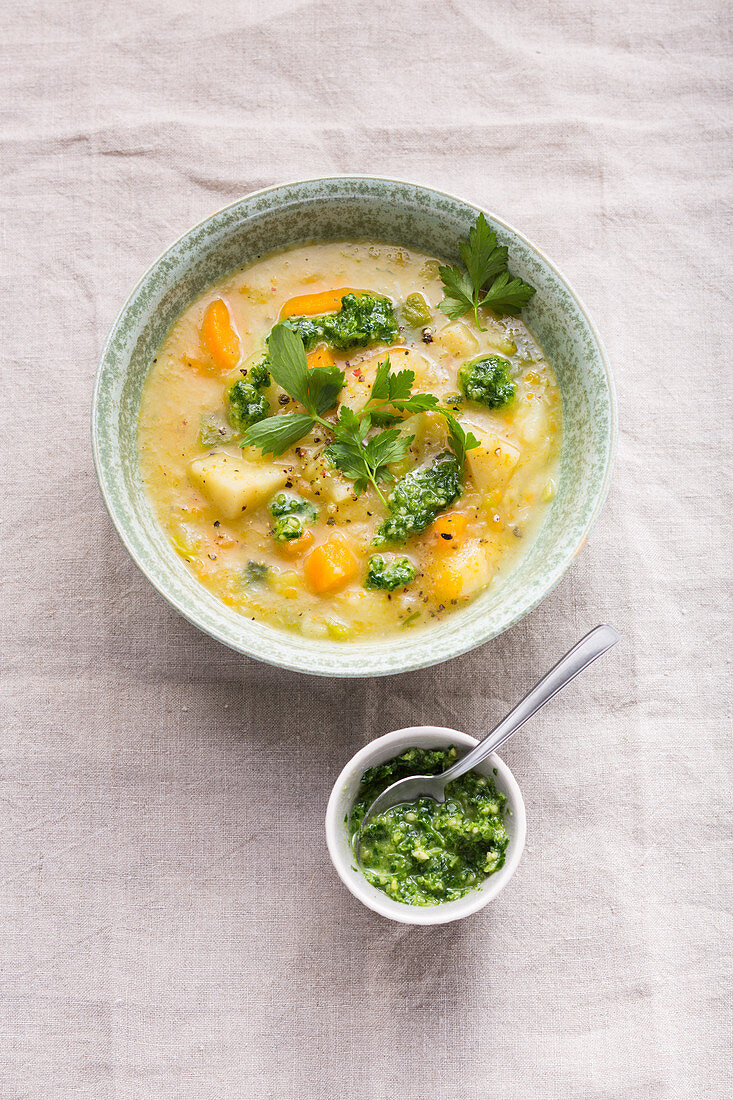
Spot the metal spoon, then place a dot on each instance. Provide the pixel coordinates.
(582, 654)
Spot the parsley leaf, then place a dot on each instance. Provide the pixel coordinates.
(460, 440)
(387, 447)
(400, 384)
(288, 364)
(347, 453)
(508, 295)
(458, 292)
(396, 389)
(391, 386)
(315, 389)
(365, 462)
(380, 385)
(351, 423)
(418, 402)
(324, 386)
(481, 254)
(275, 434)
(486, 267)
(388, 388)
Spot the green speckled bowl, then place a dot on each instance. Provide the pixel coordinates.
(339, 208)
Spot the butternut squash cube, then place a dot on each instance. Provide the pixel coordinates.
(448, 531)
(330, 566)
(309, 305)
(461, 575)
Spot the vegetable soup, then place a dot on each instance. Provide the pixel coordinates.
(349, 439)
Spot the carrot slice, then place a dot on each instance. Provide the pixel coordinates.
(448, 530)
(308, 305)
(330, 566)
(321, 357)
(218, 336)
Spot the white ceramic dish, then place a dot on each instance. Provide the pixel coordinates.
(342, 798)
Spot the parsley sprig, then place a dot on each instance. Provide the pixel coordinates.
(365, 461)
(316, 390)
(486, 280)
(362, 458)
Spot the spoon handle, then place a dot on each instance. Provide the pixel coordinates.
(567, 668)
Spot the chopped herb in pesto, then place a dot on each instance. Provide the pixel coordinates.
(419, 497)
(488, 381)
(389, 575)
(247, 402)
(290, 504)
(288, 528)
(424, 853)
(292, 515)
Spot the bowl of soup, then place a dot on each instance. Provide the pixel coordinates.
(353, 426)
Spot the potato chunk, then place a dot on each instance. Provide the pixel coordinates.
(457, 339)
(493, 462)
(233, 485)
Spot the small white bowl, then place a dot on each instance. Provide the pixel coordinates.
(342, 799)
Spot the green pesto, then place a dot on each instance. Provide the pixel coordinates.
(488, 381)
(362, 320)
(290, 504)
(388, 576)
(287, 528)
(247, 402)
(419, 497)
(292, 515)
(259, 374)
(425, 852)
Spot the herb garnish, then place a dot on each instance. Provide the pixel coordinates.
(363, 460)
(486, 281)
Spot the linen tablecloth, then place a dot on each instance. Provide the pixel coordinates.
(170, 924)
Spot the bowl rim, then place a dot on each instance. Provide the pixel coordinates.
(420, 660)
(444, 912)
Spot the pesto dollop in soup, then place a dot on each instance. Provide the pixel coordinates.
(425, 852)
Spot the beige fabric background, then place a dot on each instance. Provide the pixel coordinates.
(170, 924)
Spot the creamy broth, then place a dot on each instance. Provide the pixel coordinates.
(508, 480)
